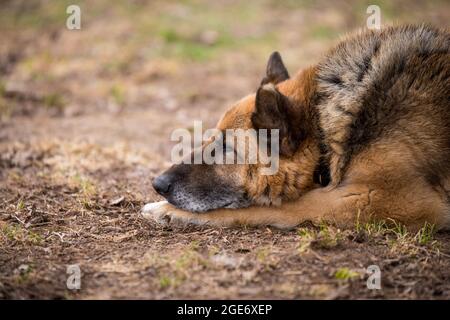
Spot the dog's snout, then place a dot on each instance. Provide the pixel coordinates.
(162, 184)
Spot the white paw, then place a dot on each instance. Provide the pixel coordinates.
(167, 215)
(152, 207)
(154, 210)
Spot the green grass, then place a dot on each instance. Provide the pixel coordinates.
(188, 258)
(166, 281)
(262, 254)
(326, 237)
(400, 230)
(5, 107)
(54, 101)
(293, 4)
(377, 227)
(382, 227)
(426, 234)
(87, 191)
(15, 232)
(85, 185)
(20, 205)
(266, 258)
(118, 94)
(323, 32)
(398, 237)
(345, 274)
(182, 36)
(173, 270)
(305, 233)
(34, 14)
(189, 45)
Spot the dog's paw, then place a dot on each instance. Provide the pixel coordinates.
(167, 215)
(152, 208)
(157, 211)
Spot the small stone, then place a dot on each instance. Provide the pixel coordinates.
(117, 201)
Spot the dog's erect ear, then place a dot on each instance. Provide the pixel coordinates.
(274, 111)
(275, 71)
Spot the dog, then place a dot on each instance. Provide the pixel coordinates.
(364, 135)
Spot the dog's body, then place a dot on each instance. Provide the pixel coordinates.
(375, 111)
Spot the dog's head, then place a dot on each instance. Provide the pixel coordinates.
(280, 103)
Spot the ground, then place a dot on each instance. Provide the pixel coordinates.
(86, 117)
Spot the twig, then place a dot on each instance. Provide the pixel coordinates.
(17, 218)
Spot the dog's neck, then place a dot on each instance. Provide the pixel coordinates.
(303, 92)
(307, 168)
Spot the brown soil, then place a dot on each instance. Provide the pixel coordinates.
(86, 118)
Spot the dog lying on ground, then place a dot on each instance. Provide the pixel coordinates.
(372, 117)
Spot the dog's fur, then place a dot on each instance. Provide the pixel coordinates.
(374, 114)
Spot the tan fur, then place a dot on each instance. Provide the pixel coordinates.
(384, 177)
(295, 174)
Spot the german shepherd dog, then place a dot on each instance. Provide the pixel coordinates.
(363, 135)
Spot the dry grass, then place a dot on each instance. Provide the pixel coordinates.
(85, 119)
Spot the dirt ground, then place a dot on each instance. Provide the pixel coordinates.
(85, 123)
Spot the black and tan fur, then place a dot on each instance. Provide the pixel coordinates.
(375, 111)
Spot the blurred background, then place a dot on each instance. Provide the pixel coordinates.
(139, 69)
(85, 123)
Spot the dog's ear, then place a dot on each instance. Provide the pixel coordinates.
(274, 111)
(276, 71)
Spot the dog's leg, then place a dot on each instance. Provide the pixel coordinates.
(343, 206)
(315, 206)
(285, 216)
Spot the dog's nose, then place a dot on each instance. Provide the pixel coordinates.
(162, 184)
